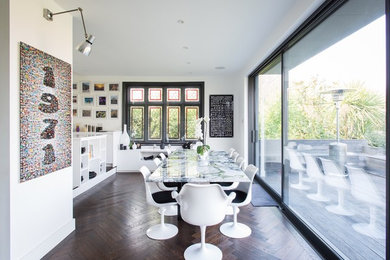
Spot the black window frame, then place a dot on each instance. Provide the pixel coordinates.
(126, 104)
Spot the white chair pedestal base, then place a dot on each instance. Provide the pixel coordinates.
(208, 252)
(162, 231)
(169, 211)
(300, 185)
(339, 210)
(230, 211)
(309, 180)
(369, 230)
(317, 197)
(237, 230)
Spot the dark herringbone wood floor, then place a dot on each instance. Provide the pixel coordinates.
(112, 218)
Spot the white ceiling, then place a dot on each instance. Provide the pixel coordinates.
(144, 38)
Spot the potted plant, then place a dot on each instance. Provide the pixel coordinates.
(202, 149)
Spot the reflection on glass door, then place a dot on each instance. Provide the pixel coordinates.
(269, 117)
(335, 146)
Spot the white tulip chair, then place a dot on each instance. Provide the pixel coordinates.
(243, 198)
(162, 200)
(202, 205)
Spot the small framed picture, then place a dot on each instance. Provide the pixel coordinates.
(114, 113)
(88, 101)
(98, 86)
(87, 113)
(75, 112)
(101, 114)
(75, 99)
(113, 87)
(114, 100)
(101, 100)
(74, 86)
(85, 87)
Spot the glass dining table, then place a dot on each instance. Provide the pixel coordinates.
(183, 166)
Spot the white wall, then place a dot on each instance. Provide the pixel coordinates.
(41, 210)
(213, 85)
(4, 130)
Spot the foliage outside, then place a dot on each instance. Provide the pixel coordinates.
(312, 114)
(191, 117)
(173, 122)
(155, 122)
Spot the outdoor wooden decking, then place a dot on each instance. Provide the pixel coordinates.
(112, 218)
(336, 229)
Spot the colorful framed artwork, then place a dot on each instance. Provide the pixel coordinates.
(45, 96)
(173, 95)
(85, 87)
(136, 95)
(74, 99)
(114, 113)
(75, 112)
(74, 87)
(88, 100)
(114, 100)
(100, 114)
(101, 100)
(113, 87)
(192, 95)
(98, 87)
(86, 113)
(155, 94)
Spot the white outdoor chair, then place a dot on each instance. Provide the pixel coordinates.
(363, 189)
(202, 205)
(296, 165)
(160, 199)
(336, 178)
(243, 198)
(169, 151)
(314, 172)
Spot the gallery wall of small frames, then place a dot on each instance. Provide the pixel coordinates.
(96, 100)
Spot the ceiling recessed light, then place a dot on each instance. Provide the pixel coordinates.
(180, 21)
(220, 68)
(185, 47)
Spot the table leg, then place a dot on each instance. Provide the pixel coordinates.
(179, 186)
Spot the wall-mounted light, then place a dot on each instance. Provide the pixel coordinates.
(85, 46)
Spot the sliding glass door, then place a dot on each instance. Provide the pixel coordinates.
(320, 109)
(269, 84)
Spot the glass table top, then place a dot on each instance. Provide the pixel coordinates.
(184, 166)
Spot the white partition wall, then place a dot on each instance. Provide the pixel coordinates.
(41, 210)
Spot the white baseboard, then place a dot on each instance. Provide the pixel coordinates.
(90, 183)
(49, 243)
